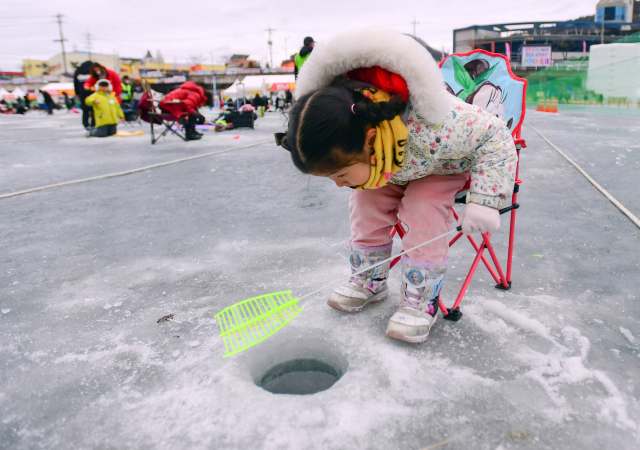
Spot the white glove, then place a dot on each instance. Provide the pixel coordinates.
(476, 218)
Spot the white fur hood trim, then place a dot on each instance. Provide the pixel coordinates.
(388, 49)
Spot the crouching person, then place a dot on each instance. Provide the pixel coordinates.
(192, 97)
(106, 110)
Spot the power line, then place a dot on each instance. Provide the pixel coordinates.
(61, 40)
(29, 24)
(22, 17)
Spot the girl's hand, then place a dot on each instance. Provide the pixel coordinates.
(97, 102)
(479, 219)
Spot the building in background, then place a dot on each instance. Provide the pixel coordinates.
(35, 68)
(563, 40)
(243, 62)
(10, 76)
(615, 11)
(75, 58)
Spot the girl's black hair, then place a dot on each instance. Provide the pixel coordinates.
(325, 135)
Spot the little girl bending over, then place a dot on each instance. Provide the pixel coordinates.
(373, 114)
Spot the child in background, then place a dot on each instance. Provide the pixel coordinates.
(375, 116)
(137, 90)
(106, 110)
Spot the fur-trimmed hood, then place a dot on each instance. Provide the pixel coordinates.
(101, 80)
(388, 49)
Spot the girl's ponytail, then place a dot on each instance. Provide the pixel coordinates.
(374, 113)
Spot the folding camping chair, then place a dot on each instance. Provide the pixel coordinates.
(150, 112)
(485, 79)
(131, 115)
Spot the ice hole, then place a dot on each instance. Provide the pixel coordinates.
(300, 377)
(296, 361)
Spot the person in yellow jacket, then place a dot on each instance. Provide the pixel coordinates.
(106, 110)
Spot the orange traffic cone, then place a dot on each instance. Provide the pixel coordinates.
(540, 105)
(552, 106)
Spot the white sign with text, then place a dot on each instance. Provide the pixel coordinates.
(536, 56)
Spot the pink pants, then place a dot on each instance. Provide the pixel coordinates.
(423, 205)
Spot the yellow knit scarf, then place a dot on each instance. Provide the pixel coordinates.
(388, 148)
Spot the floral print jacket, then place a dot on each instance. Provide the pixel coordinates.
(469, 139)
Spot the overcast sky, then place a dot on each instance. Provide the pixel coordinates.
(185, 28)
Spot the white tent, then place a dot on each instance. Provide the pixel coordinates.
(280, 83)
(252, 85)
(4, 94)
(18, 92)
(59, 88)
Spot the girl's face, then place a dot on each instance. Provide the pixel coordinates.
(354, 175)
(357, 173)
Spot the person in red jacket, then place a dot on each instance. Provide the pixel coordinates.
(99, 72)
(188, 97)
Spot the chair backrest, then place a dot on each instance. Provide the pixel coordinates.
(485, 79)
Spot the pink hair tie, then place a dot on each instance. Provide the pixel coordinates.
(352, 108)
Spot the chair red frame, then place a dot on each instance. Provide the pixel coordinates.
(503, 281)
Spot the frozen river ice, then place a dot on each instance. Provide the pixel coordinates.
(87, 270)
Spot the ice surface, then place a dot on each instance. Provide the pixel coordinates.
(86, 271)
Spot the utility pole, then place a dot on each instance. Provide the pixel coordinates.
(286, 54)
(270, 42)
(415, 22)
(61, 40)
(88, 38)
(602, 39)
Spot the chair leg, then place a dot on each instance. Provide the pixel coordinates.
(512, 232)
(454, 314)
(455, 239)
(164, 132)
(477, 249)
(397, 229)
(467, 280)
(484, 260)
(494, 257)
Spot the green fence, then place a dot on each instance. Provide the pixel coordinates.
(570, 81)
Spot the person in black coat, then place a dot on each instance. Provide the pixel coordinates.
(20, 106)
(87, 112)
(48, 102)
(68, 101)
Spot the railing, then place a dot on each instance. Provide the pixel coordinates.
(228, 71)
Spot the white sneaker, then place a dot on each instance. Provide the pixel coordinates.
(368, 287)
(417, 314)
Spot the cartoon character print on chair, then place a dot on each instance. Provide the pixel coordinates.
(484, 79)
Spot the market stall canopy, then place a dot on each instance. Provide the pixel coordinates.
(252, 85)
(280, 83)
(18, 92)
(59, 88)
(5, 95)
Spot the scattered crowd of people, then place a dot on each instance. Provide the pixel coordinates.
(105, 99)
